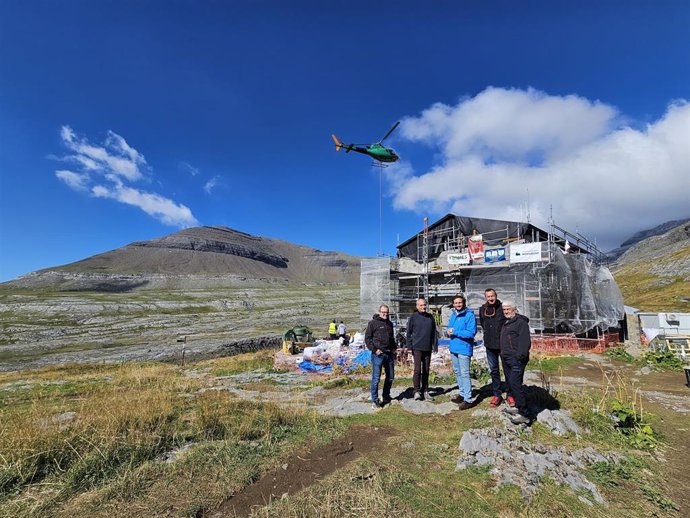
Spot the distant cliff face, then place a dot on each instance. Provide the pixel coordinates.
(194, 255)
(654, 274)
(644, 234)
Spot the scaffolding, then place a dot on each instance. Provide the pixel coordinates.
(561, 289)
(374, 286)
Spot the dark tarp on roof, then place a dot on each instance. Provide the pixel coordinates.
(465, 226)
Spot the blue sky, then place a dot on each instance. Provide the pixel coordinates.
(123, 121)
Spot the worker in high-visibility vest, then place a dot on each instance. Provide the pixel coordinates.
(333, 330)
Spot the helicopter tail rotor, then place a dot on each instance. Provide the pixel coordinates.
(338, 144)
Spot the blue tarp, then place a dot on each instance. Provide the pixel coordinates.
(363, 359)
(308, 366)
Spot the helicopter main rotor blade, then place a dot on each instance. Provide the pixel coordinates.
(390, 131)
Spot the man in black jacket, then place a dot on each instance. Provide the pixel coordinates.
(491, 318)
(380, 340)
(515, 346)
(422, 339)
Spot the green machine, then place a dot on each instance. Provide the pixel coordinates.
(296, 339)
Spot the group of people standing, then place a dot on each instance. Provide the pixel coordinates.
(506, 338)
(336, 331)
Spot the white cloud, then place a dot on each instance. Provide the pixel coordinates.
(78, 182)
(116, 162)
(212, 184)
(161, 208)
(601, 176)
(114, 156)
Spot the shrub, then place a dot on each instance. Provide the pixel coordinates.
(663, 360)
(620, 354)
(629, 422)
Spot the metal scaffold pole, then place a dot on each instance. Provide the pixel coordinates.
(425, 256)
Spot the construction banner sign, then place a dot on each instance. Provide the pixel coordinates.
(475, 245)
(458, 258)
(494, 255)
(525, 253)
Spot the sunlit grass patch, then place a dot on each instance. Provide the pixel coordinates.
(229, 365)
(551, 364)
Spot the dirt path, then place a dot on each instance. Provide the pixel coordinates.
(302, 470)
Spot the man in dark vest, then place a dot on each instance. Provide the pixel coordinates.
(491, 318)
(422, 339)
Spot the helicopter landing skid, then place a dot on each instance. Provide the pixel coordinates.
(382, 165)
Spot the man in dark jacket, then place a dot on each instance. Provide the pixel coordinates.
(491, 318)
(422, 339)
(380, 340)
(515, 346)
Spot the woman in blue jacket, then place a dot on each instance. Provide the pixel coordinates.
(462, 327)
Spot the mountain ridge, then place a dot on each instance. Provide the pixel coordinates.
(654, 273)
(203, 251)
(644, 234)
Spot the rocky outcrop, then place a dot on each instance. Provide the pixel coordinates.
(663, 255)
(513, 460)
(645, 234)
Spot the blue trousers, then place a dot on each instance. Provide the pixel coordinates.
(461, 367)
(492, 359)
(385, 362)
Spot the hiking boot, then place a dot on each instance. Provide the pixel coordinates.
(519, 419)
(427, 397)
(511, 401)
(464, 405)
(495, 401)
(457, 399)
(375, 405)
(510, 410)
(417, 396)
(386, 400)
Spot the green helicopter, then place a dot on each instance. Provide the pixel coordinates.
(377, 151)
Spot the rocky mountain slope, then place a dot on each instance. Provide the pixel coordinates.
(207, 256)
(644, 234)
(654, 274)
(215, 286)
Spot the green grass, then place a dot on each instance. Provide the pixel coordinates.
(229, 366)
(640, 288)
(122, 426)
(107, 462)
(551, 364)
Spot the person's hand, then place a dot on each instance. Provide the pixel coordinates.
(378, 352)
(449, 331)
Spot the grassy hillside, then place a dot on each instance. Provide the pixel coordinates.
(143, 440)
(645, 289)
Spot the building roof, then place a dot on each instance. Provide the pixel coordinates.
(496, 232)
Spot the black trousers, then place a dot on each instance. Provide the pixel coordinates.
(515, 375)
(420, 378)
